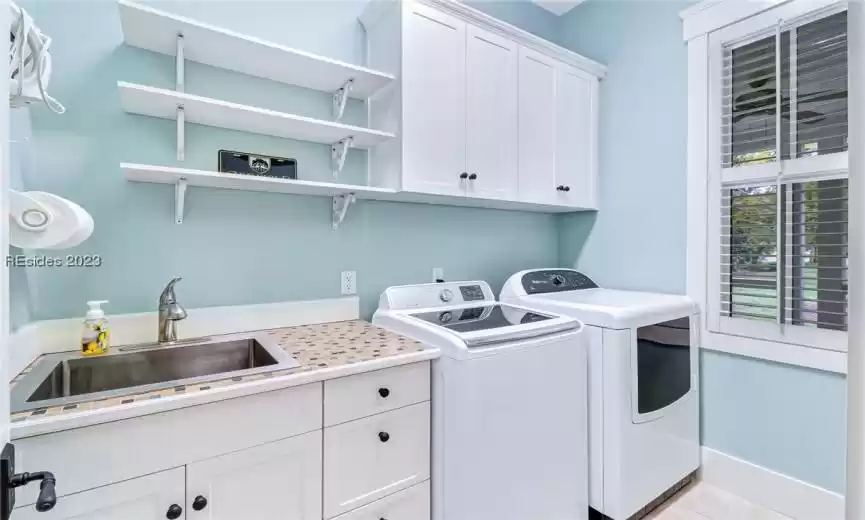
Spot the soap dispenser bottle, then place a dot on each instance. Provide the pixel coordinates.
(94, 338)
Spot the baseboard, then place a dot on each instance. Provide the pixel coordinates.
(786, 495)
(43, 337)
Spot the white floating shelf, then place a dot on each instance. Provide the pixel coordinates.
(156, 30)
(162, 103)
(232, 181)
(343, 194)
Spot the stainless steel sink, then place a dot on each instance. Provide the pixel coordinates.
(68, 378)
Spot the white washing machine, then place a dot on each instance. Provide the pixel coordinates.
(643, 384)
(509, 402)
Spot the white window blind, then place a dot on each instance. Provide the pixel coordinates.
(783, 238)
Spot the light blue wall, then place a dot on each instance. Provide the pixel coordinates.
(522, 13)
(785, 418)
(235, 247)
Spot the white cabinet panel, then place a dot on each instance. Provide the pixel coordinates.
(371, 458)
(434, 99)
(143, 498)
(576, 127)
(537, 127)
(491, 114)
(362, 395)
(276, 481)
(411, 504)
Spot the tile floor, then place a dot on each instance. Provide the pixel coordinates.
(703, 501)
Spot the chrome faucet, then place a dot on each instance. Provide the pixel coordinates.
(170, 312)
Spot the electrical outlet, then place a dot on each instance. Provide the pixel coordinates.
(349, 282)
(438, 274)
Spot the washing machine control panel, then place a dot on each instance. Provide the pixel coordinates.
(447, 294)
(556, 280)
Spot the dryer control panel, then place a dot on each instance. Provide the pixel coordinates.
(555, 280)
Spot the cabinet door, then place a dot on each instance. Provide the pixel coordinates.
(576, 137)
(276, 481)
(491, 114)
(434, 102)
(370, 458)
(537, 127)
(144, 498)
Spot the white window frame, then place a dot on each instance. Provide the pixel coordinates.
(707, 27)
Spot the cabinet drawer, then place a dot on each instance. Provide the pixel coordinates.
(411, 504)
(362, 395)
(370, 458)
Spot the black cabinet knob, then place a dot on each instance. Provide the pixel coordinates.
(383, 436)
(473, 176)
(464, 175)
(199, 503)
(384, 392)
(174, 512)
(567, 188)
(560, 188)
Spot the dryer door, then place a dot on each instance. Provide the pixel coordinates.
(660, 367)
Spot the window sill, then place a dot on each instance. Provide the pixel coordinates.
(797, 355)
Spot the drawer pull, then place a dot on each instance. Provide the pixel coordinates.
(384, 392)
(383, 436)
(174, 512)
(199, 503)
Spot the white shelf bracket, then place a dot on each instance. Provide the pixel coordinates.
(180, 199)
(181, 133)
(338, 151)
(340, 207)
(180, 70)
(340, 97)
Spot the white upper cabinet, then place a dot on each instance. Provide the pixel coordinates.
(491, 115)
(434, 101)
(483, 111)
(576, 137)
(537, 134)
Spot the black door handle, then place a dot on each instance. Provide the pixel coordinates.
(199, 503)
(174, 512)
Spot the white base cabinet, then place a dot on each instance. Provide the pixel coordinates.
(277, 480)
(372, 458)
(143, 498)
(481, 109)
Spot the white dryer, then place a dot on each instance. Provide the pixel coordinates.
(643, 384)
(509, 403)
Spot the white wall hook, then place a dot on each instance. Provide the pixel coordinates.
(340, 97)
(340, 207)
(28, 213)
(338, 152)
(180, 199)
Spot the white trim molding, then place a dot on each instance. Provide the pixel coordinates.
(786, 353)
(784, 494)
(710, 15)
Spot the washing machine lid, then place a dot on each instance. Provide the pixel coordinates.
(493, 323)
(571, 293)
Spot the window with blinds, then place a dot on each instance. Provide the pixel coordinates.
(797, 275)
(784, 241)
(811, 94)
